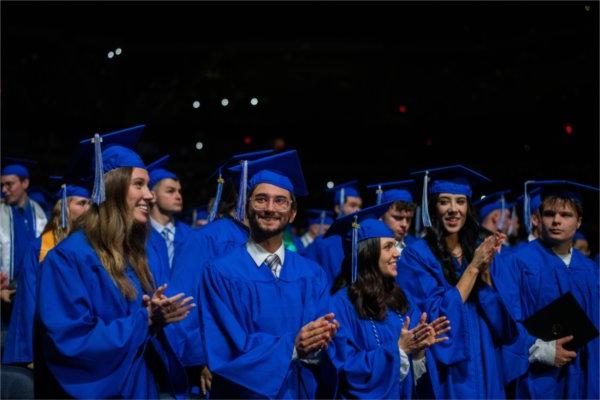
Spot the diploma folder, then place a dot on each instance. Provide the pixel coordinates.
(562, 317)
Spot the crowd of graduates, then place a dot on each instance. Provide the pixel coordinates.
(427, 293)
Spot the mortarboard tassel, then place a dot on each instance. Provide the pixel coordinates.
(355, 227)
(215, 206)
(241, 205)
(513, 222)
(379, 195)
(418, 221)
(98, 195)
(342, 201)
(63, 207)
(425, 202)
(501, 222)
(322, 222)
(526, 210)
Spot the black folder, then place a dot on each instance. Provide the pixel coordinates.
(562, 317)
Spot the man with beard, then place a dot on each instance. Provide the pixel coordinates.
(264, 309)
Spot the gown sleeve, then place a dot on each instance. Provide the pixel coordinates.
(86, 354)
(233, 351)
(425, 283)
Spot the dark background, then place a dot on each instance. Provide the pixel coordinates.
(487, 84)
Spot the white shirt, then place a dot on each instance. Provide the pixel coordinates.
(159, 227)
(306, 239)
(400, 246)
(566, 257)
(259, 255)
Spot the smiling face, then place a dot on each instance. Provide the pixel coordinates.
(270, 210)
(139, 195)
(452, 211)
(388, 257)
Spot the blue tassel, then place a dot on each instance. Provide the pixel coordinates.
(513, 222)
(215, 206)
(425, 202)
(63, 207)
(526, 210)
(342, 201)
(355, 227)
(500, 224)
(241, 204)
(98, 195)
(322, 222)
(379, 194)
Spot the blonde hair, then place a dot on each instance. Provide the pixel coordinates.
(116, 237)
(54, 223)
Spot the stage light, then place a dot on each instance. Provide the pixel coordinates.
(110, 54)
(248, 139)
(330, 184)
(118, 51)
(196, 104)
(402, 109)
(199, 145)
(224, 102)
(568, 128)
(254, 101)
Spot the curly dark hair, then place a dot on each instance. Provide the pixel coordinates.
(372, 294)
(470, 236)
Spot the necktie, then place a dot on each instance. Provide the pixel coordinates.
(168, 235)
(272, 262)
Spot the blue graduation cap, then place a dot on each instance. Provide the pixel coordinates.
(454, 179)
(534, 202)
(561, 188)
(321, 217)
(491, 202)
(342, 191)
(157, 171)
(394, 191)
(361, 225)
(282, 170)
(17, 166)
(69, 186)
(235, 159)
(110, 151)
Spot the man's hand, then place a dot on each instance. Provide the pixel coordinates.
(563, 356)
(205, 379)
(316, 335)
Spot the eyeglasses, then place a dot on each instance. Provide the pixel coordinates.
(280, 203)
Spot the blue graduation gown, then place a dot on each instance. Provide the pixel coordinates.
(183, 276)
(369, 362)
(469, 364)
(250, 320)
(93, 342)
(532, 278)
(219, 237)
(18, 347)
(328, 252)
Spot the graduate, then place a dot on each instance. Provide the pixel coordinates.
(227, 227)
(494, 212)
(448, 274)
(99, 317)
(329, 252)
(264, 310)
(382, 336)
(71, 202)
(22, 219)
(539, 273)
(400, 215)
(319, 222)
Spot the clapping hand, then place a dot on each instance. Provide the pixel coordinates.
(163, 310)
(316, 335)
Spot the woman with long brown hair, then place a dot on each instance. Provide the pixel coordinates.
(99, 314)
